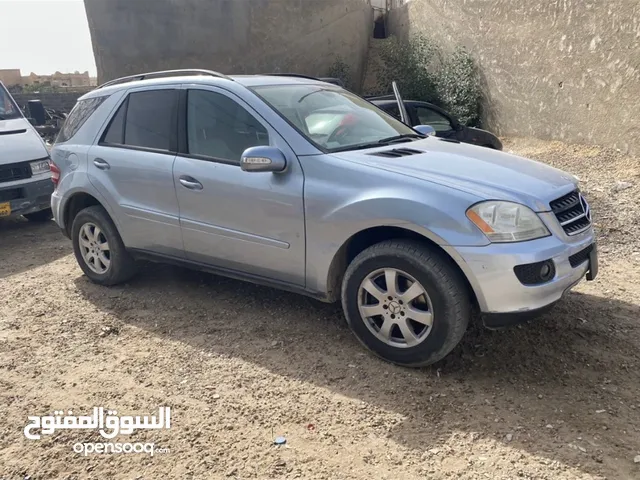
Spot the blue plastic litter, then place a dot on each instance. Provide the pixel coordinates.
(280, 441)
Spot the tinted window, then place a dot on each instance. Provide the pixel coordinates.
(150, 119)
(439, 122)
(115, 130)
(80, 113)
(392, 110)
(219, 127)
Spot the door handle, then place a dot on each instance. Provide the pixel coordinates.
(101, 164)
(190, 183)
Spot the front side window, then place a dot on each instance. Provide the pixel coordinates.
(439, 122)
(332, 118)
(219, 127)
(8, 108)
(78, 116)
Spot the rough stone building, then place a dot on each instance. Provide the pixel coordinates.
(230, 36)
(555, 69)
(11, 77)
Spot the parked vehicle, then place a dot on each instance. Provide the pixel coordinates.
(304, 186)
(445, 124)
(25, 179)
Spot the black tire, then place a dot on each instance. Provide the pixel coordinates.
(122, 266)
(39, 216)
(444, 284)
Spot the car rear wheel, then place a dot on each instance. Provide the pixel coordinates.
(99, 249)
(405, 302)
(40, 216)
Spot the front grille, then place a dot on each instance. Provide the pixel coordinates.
(11, 194)
(14, 171)
(573, 213)
(580, 257)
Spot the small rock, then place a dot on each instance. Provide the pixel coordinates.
(434, 451)
(509, 437)
(622, 186)
(351, 365)
(636, 459)
(540, 396)
(549, 425)
(216, 396)
(600, 411)
(231, 472)
(582, 449)
(274, 343)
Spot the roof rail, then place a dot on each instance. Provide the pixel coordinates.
(163, 73)
(292, 75)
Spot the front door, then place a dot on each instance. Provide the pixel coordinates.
(132, 168)
(248, 222)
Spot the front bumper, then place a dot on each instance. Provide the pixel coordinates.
(490, 270)
(25, 198)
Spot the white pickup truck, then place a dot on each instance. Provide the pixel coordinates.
(25, 176)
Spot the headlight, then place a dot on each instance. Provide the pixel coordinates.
(39, 166)
(507, 221)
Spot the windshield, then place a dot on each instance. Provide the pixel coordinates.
(333, 118)
(8, 109)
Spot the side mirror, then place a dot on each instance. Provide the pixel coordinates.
(427, 130)
(458, 127)
(263, 159)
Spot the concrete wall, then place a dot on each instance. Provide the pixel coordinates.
(62, 101)
(230, 36)
(557, 69)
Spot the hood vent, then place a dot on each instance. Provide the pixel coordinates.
(396, 152)
(13, 132)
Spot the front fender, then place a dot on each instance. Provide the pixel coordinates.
(330, 227)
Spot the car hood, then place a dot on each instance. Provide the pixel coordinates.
(19, 142)
(486, 173)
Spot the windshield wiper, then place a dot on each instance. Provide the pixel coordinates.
(384, 141)
(395, 138)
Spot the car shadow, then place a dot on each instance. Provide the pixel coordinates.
(25, 245)
(562, 387)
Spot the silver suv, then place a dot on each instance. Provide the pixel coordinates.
(301, 185)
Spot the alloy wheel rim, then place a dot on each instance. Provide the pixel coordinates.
(94, 248)
(395, 307)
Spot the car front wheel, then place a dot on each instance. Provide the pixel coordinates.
(405, 302)
(99, 249)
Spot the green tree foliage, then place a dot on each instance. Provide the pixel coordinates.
(425, 72)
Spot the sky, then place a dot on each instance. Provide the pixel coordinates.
(43, 36)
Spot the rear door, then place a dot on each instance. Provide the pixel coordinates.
(132, 167)
(249, 222)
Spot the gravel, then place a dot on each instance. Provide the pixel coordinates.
(240, 365)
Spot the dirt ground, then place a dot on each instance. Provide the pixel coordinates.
(558, 398)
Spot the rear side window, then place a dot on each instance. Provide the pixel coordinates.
(145, 120)
(79, 114)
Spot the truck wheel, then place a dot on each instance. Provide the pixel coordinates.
(39, 216)
(99, 249)
(405, 302)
